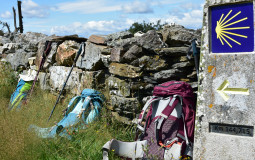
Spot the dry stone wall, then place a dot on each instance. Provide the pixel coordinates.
(125, 66)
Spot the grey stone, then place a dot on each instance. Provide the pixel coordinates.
(119, 35)
(183, 64)
(125, 70)
(173, 51)
(29, 37)
(92, 58)
(19, 58)
(151, 40)
(177, 35)
(106, 59)
(106, 51)
(123, 43)
(219, 72)
(149, 79)
(121, 104)
(44, 80)
(58, 75)
(74, 37)
(30, 47)
(118, 87)
(51, 58)
(10, 48)
(117, 54)
(92, 79)
(4, 40)
(152, 63)
(167, 75)
(133, 53)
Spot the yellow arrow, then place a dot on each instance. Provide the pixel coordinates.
(223, 90)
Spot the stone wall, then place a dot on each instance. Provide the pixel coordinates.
(124, 66)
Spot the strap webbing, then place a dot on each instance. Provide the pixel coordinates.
(185, 131)
(148, 103)
(164, 115)
(124, 149)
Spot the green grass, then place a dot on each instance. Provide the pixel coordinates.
(16, 142)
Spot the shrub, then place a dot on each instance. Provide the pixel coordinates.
(144, 27)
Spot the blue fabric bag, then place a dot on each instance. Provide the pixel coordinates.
(81, 110)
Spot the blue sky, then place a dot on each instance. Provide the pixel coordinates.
(86, 17)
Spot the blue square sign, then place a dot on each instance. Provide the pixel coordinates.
(232, 28)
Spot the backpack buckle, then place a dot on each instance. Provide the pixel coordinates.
(170, 143)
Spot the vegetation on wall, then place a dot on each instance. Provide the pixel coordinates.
(146, 26)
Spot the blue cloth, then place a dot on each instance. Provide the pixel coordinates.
(86, 108)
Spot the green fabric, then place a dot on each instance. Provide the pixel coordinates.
(22, 93)
(26, 87)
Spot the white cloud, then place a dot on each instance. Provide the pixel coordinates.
(88, 6)
(6, 15)
(91, 27)
(165, 2)
(192, 19)
(137, 7)
(31, 9)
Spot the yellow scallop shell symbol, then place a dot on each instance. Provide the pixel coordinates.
(223, 32)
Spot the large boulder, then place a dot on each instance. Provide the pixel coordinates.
(66, 53)
(125, 70)
(92, 58)
(58, 76)
(177, 35)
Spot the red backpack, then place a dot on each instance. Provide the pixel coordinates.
(168, 130)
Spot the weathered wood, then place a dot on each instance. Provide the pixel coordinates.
(8, 27)
(14, 18)
(20, 17)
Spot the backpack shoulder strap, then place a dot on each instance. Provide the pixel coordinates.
(142, 114)
(165, 114)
